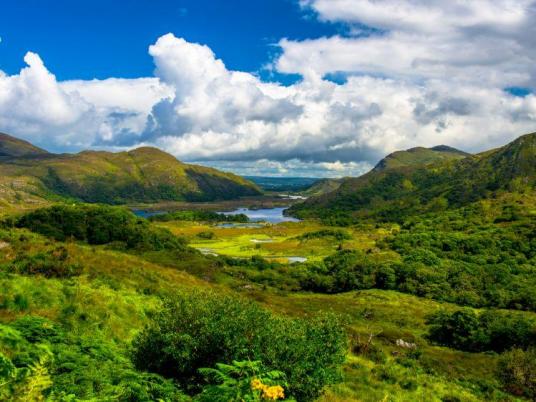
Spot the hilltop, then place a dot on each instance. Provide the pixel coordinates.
(141, 175)
(420, 156)
(11, 147)
(402, 185)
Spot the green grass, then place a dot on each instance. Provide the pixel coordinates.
(141, 175)
(273, 242)
(117, 293)
(437, 373)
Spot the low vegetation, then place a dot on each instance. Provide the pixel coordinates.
(489, 330)
(98, 225)
(198, 330)
(199, 216)
(398, 301)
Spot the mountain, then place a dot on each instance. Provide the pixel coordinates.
(391, 192)
(420, 156)
(283, 183)
(322, 186)
(142, 175)
(11, 147)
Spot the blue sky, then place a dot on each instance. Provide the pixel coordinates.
(275, 87)
(85, 39)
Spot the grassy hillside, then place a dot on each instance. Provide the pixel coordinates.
(72, 312)
(394, 191)
(11, 147)
(323, 186)
(427, 294)
(420, 156)
(142, 175)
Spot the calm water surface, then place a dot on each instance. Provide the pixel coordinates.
(272, 215)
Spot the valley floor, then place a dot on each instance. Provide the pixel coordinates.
(118, 291)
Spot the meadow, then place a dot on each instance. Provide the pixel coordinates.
(274, 242)
(73, 308)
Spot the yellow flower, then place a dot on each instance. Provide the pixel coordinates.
(257, 384)
(275, 392)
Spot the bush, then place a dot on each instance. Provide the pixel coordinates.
(51, 264)
(242, 381)
(24, 366)
(200, 329)
(207, 235)
(199, 216)
(491, 330)
(96, 224)
(336, 234)
(85, 367)
(517, 372)
(37, 329)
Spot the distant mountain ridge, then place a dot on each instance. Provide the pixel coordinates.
(420, 156)
(142, 175)
(394, 190)
(283, 183)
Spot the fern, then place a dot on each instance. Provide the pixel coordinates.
(244, 381)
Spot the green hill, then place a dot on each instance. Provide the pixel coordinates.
(420, 156)
(11, 147)
(400, 186)
(322, 186)
(142, 175)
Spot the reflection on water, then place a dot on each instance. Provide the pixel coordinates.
(292, 260)
(146, 214)
(272, 215)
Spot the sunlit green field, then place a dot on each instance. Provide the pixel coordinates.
(272, 241)
(392, 375)
(106, 301)
(116, 294)
(118, 291)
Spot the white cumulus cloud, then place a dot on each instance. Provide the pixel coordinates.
(416, 73)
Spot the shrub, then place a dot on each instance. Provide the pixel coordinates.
(23, 367)
(96, 224)
(200, 329)
(86, 367)
(199, 216)
(36, 329)
(517, 372)
(206, 235)
(51, 264)
(336, 234)
(490, 330)
(242, 381)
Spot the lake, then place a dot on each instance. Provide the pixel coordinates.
(272, 215)
(146, 214)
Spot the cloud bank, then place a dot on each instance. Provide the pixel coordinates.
(413, 72)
